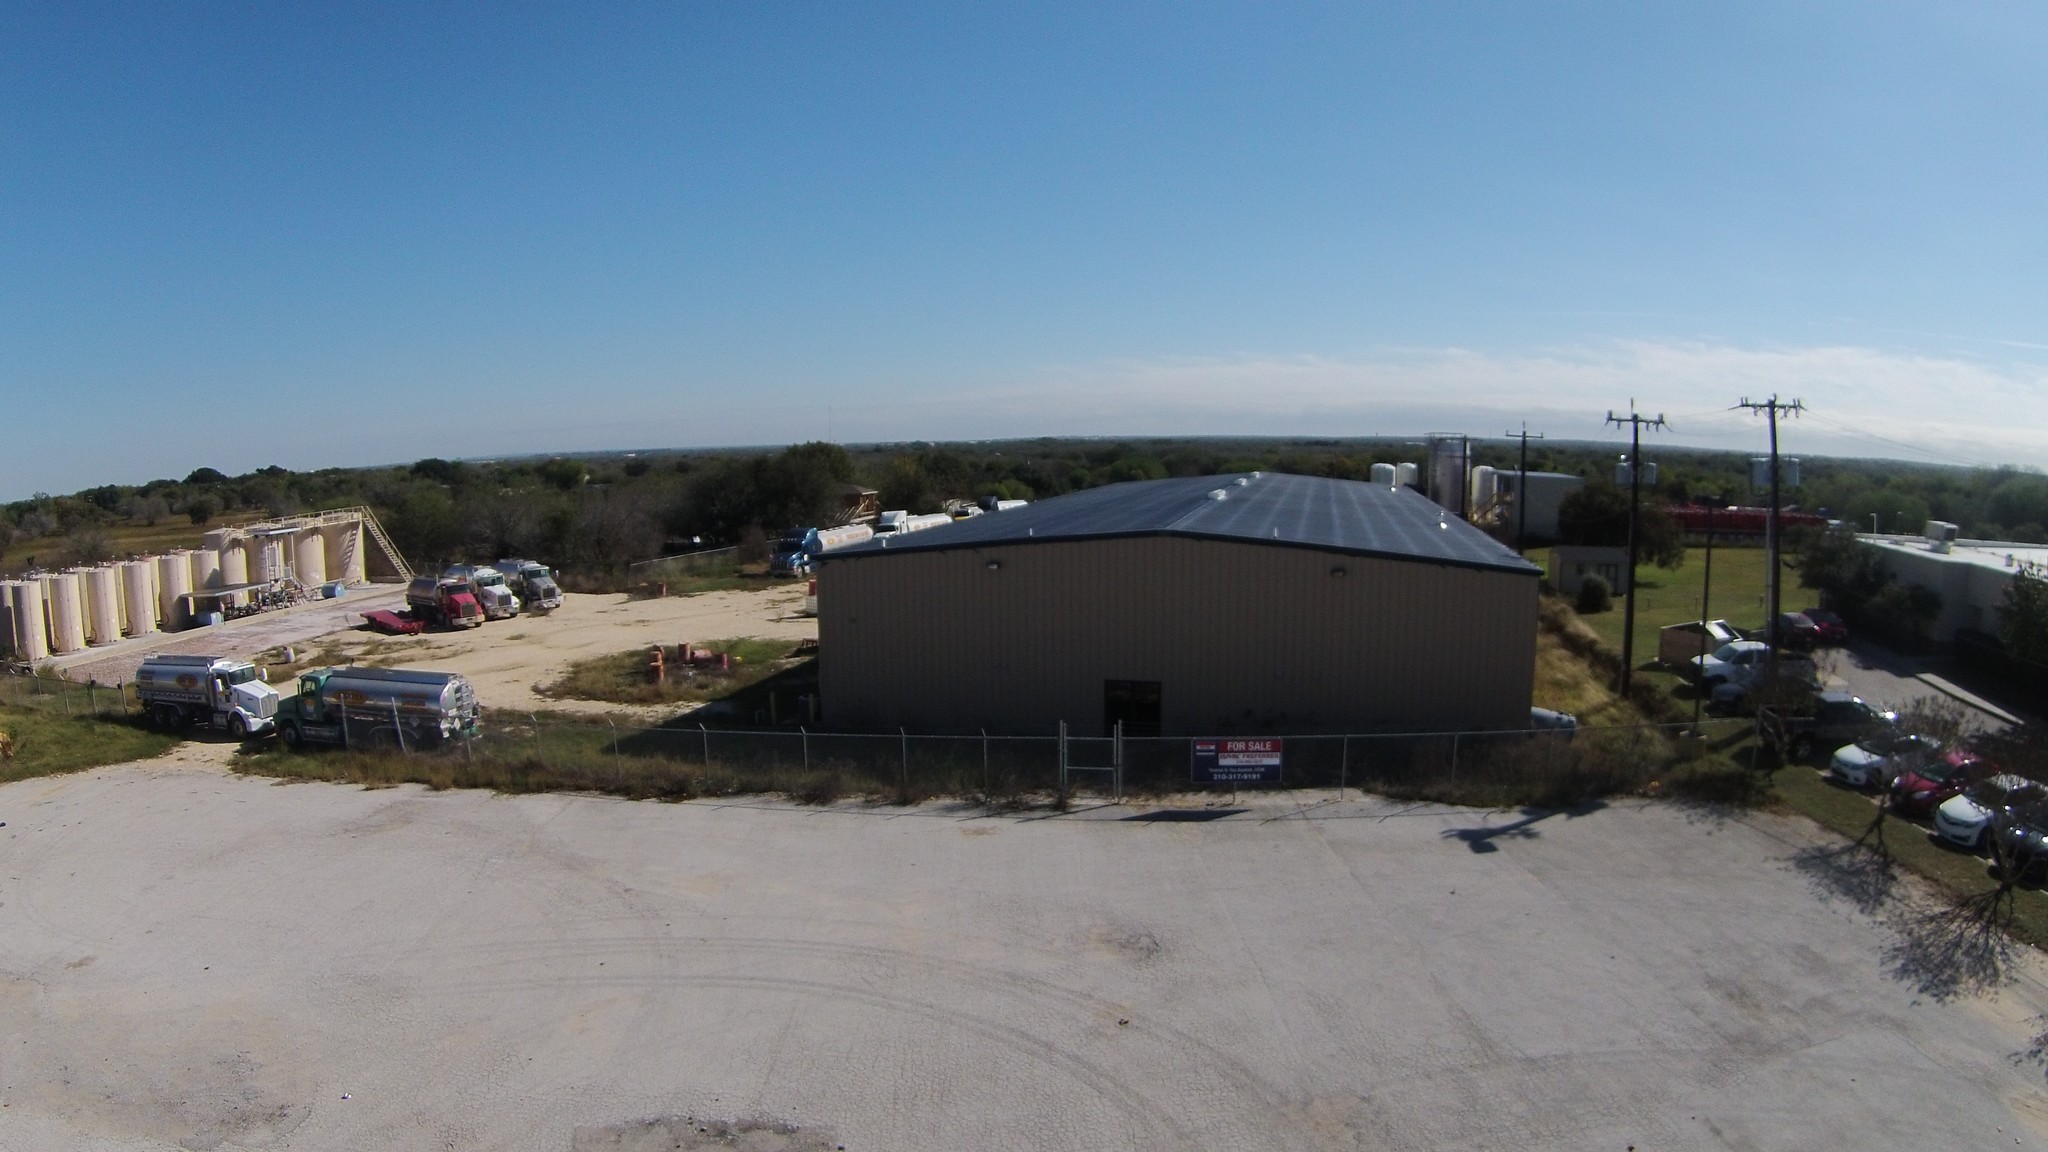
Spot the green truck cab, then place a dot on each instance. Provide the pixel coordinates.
(396, 708)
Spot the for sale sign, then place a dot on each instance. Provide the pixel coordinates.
(1237, 761)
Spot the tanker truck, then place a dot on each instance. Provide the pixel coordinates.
(393, 708)
(439, 600)
(489, 587)
(533, 584)
(223, 694)
(799, 547)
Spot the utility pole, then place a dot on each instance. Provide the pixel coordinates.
(1636, 423)
(1771, 408)
(1706, 614)
(1522, 488)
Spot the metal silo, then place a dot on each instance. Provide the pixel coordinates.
(102, 605)
(173, 580)
(138, 592)
(67, 613)
(31, 637)
(205, 569)
(309, 558)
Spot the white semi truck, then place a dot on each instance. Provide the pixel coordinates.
(488, 585)
(393, 708)
(220, 693)
(533, 583)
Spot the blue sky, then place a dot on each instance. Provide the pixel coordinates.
(236, 235)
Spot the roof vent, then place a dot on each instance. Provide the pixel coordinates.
(1241, 481)
(1256, 475)
(1276, 533)
(1218, 494)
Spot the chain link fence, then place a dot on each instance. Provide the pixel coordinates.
(55, 695)
(527, 752)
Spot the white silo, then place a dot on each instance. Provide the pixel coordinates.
(138, 593)
(173, 580)
(344, 550)
(1485, 486)
(31, 635)
(234, 566)
(67, 613)
(266, 557)
(309, 558)
(6, 616)
(1406, 475)
(102, 605)
(1384, 474)
(205, 569)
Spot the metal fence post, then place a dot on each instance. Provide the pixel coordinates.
(805, 733)
(1454, 757)
(398, 728)
(618, 767)
(903, 779)
(986, 783)
(538, 755)
(1343, 766)
(92, 696)
(706, 734)
(1063, 761)
(1116, 764)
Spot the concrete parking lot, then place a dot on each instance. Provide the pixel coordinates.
(194, 959)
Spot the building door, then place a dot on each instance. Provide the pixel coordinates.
(1135, 703)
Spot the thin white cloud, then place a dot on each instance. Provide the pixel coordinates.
(1864, 402)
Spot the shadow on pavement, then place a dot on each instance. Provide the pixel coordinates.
(1481, 840)
(1182, 815)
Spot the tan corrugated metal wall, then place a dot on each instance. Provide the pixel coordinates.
(1243, 637)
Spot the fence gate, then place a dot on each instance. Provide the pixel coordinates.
(1115, 767)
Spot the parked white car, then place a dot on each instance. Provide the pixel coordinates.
(1732, 663)
(1964, 819)
(1877, 761)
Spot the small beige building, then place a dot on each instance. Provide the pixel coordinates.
(1205, 605)
(1570, 564)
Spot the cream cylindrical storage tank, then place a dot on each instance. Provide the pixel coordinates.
(344, 551)
(205, 569)
(1383, 474)
(138, 592)
(309, 558)
(234, 565)
(266, 558)
(103, 605)
(173, 580)
(1485, 486)
(31, 636)
(67, 613)
(1406, 475)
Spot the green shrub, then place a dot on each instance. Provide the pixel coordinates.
(1594, 596)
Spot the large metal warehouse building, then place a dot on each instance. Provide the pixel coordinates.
(1221, 605)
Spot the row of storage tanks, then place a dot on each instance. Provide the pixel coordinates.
(1449, 472)
(68, 611)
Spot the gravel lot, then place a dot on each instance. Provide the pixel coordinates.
(193, 959)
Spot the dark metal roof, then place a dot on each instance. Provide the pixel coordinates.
(1347, 516)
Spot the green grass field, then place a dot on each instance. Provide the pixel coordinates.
(1672, 596)
(55, 727)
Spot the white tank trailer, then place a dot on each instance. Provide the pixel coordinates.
(31, 631)
(214, 691)
(67, 614)
(378, 708)
(173, 580)
(138, 594)
(103, 605)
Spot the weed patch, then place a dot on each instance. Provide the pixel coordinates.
(623, 677)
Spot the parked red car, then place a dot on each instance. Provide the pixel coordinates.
(1919, 791)
(1832, 628)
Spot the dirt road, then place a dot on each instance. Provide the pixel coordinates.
(507, 659)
